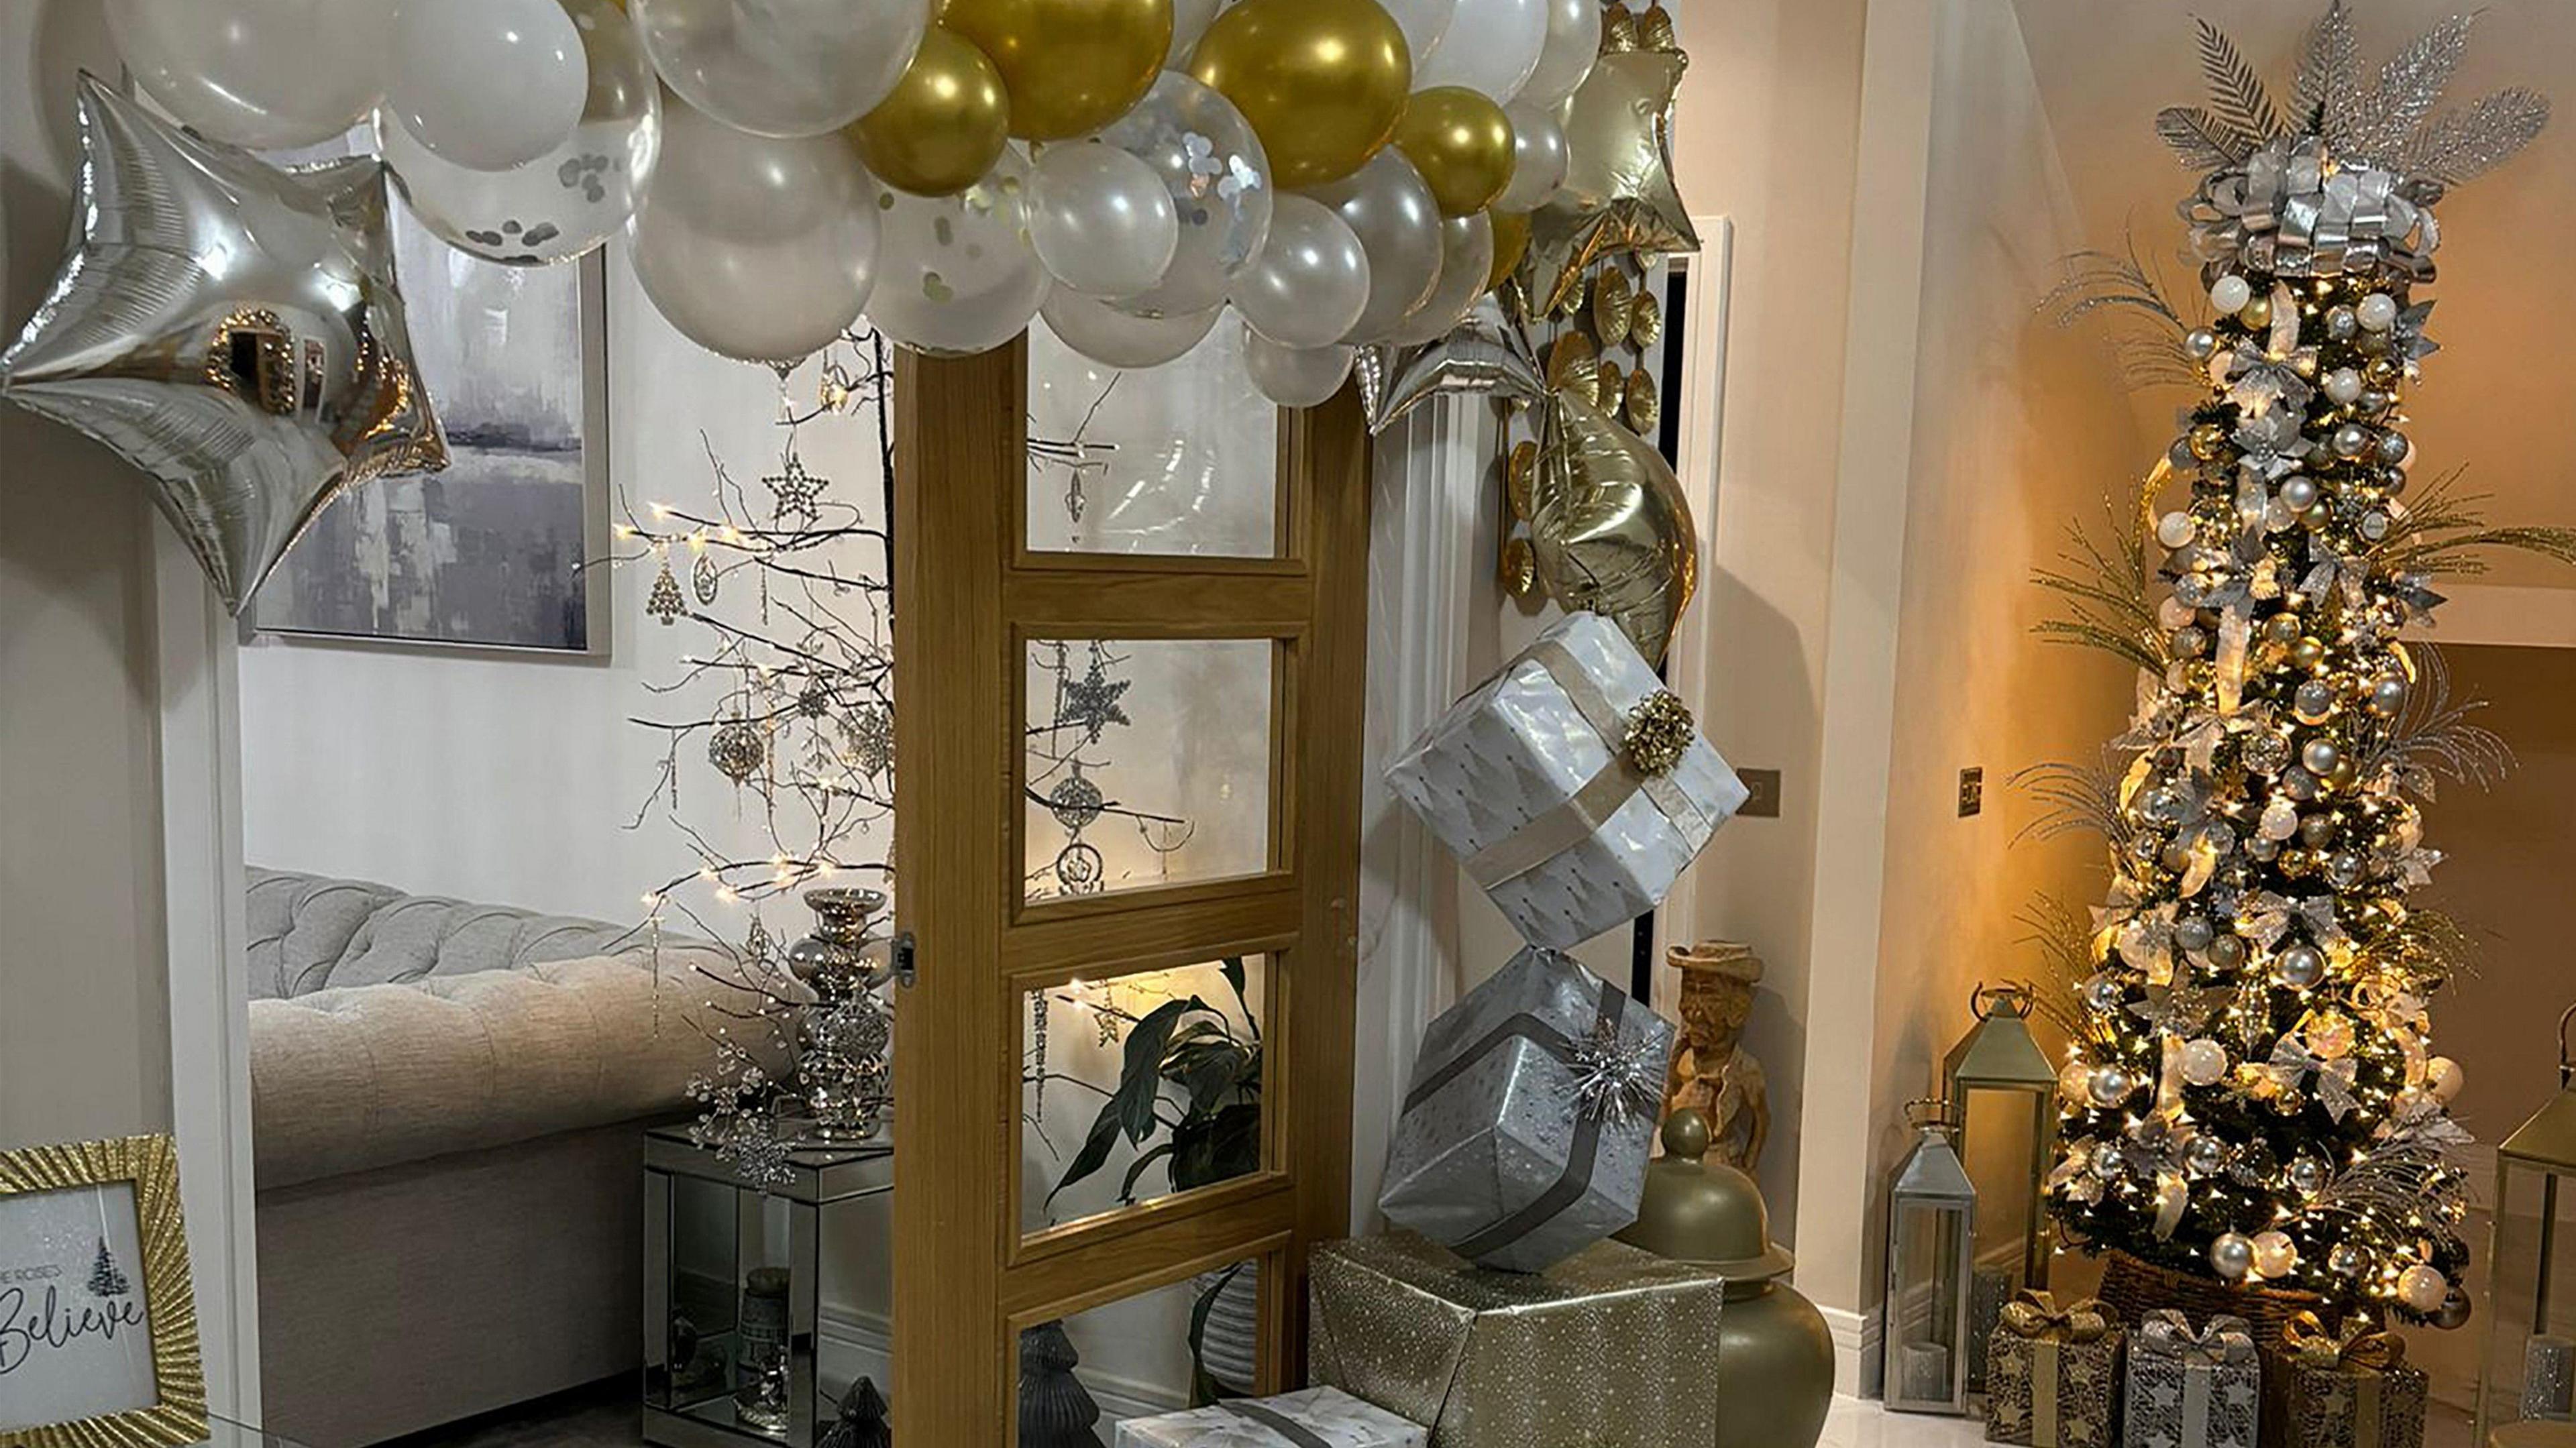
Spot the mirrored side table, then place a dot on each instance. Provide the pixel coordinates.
(735, 1282)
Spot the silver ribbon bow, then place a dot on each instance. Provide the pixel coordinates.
(2292, 1062)
(2226, 1341)
(2295, 211)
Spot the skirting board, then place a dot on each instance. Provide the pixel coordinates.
(1855, 1347)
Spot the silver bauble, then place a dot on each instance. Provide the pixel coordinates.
(2299, 491)
(2232, 1254)
(2206, 1156)
(2320, 756)
(2109, 1086)
(2308, 1175)
(2350, 439)
(2314, 700)
(2422, 1288)
(2194, 932)
(2301, 966)
(2347, 1260)
(2227, 952)
(2455, 1309)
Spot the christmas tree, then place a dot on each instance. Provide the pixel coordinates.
(1056, 1410)
(2253, 1092)
(105, 1278)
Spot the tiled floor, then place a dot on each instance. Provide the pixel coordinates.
(1858, 1424)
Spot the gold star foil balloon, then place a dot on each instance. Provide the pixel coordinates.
(1618, 194)
(231, 329)
(1610, 530)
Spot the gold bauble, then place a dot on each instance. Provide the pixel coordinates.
(944, 124)
(1071, 66)
(2208, 440)
(1511, 238)
(1611, 526)
(1323, 82)
(1461, 142)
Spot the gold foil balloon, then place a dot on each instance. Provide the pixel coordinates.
(1609, 526)
(1618, 194)
(945, 124)
(1324, 82)
(1071, 66)
(1461, 143)
(1511, 238)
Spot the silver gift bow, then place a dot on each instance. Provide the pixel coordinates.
(1618, 1074)
(2226, 1342)
(2291, 1063)
(2294, 211)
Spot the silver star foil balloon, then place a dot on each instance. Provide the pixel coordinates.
(1484, 355)
(232, 329)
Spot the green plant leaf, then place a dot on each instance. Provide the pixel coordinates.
(1095, 1148)
(1218, 1148)
(1136, 1169)
(1234, 976)
(1140, 1079)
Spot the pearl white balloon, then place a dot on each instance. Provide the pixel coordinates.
(1538, 158)
(567, 201)
(1389, 207)
(782, 67)
(1423, 22)
(486, 84)
(1101, 220)
(1114, 338)
(1466, 259)
(1219, 180)
(1295, 376)
(1311, 281)
(1565, 59)
(1491, 46)
(267, 74)
(958, 274)
(754, 247)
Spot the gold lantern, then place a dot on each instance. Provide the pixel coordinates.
(2525, 1393)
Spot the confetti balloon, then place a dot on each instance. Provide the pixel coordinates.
(959, 274)
(1219, 180)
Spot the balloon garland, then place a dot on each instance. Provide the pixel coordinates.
(1347, 176)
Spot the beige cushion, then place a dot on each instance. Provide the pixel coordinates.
(350, 1079)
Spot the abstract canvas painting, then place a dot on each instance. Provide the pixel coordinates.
(489, 551)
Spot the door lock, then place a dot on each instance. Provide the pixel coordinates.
(903, 959)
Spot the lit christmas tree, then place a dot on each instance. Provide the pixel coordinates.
(2253, 1093)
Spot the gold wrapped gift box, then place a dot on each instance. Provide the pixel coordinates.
(1612, 1345)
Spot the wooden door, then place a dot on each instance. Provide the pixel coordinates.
(972, 601)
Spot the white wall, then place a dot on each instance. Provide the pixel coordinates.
(84, 1049)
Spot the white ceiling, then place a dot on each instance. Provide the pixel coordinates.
(2500, 398)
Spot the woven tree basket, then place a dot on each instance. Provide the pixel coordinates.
(2132, 1287)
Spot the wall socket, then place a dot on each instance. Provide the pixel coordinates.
(1762, 793)
(1972, 790)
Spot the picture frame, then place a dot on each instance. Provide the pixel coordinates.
(98, 1343)
(503, 550)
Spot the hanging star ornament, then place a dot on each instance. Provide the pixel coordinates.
(795, 490)
(232, 329)
(1619, 194)
(1091, 702)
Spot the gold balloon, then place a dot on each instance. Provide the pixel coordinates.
(1610, 529)
(944, 124)
(1323, 82)
(1618, 194)
(1071, 66)
(1511, 238)
(1461, 142)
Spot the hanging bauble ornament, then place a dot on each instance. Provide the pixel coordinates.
(2377, 312)
(2227, 953)
(2230, 293)
(2422, 1288)
(738, 749)
(2206, 1156)
(2300, 967)
(1461, 143)
(2444, 1077)
(665, 603)
(1323, 82)
(2455, 1309)
(2275, 1254)
(2231, 1255)
(1612, 525)
(2108, 1086)
(233, 330)
(943, 125)
(2313, 702)
(1075, 802)
(1071, 66)
(2075, 1082)
(2347, 1260)
(703, 579)
(2204, 1062)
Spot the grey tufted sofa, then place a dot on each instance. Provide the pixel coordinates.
(447, 1101)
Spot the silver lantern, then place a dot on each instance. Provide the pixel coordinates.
(2525, 1393)
(1931, 1219)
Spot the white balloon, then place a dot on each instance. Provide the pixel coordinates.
(1190, 19)
(1101, 220)
(1538, 158)
(782, 67)
(1219, 180)
(1466, 258)
(267, 74)
(754, 247)
(1423, 22)
(1390, 208)
(1114, 338)
(486, 84)
(1573, 44)
(1491, 46)
(567, 201)
(1311, 281)
(1295, 376)
(959, 275)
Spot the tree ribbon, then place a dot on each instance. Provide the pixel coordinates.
(1584, 813)
(2296, 212)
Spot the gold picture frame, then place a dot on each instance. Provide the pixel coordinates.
(173, 1410)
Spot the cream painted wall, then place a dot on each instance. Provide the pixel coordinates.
(84, 1048)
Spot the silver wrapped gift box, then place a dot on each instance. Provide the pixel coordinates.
(1573, 785)
(1530, 1116)
(1315, 1418)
